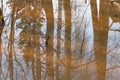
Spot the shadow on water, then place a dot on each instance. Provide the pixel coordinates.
(58, 40)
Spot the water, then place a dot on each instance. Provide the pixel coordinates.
(60, 40)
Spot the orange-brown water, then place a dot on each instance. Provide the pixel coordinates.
(60, 40)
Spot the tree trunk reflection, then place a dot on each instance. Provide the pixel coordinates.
(67, 10)
(100, 28)
(46, 40)
(11, 45)
(58, 38)
(49, 38)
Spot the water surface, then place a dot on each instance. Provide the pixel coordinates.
(60, 40)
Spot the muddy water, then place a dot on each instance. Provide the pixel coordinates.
(60, 40)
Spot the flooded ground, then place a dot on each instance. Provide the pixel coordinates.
(60, 40)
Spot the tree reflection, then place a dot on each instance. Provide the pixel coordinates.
(1, 21)
(29, 36)
(67, 10)
(49, 38)
(11, 45)
(100, 28)
(40, 50)
(58, 39)
(1, 29)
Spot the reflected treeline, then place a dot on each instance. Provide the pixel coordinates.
(43, 47)
(36, 45)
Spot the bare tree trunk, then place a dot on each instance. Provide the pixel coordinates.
(0, 59)
(48, 6)
(100, 28)
(1, 14)
(67, 10)
(58, 38)
(37, 52)
(11, 45)
(1, 22)
(2, 4)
